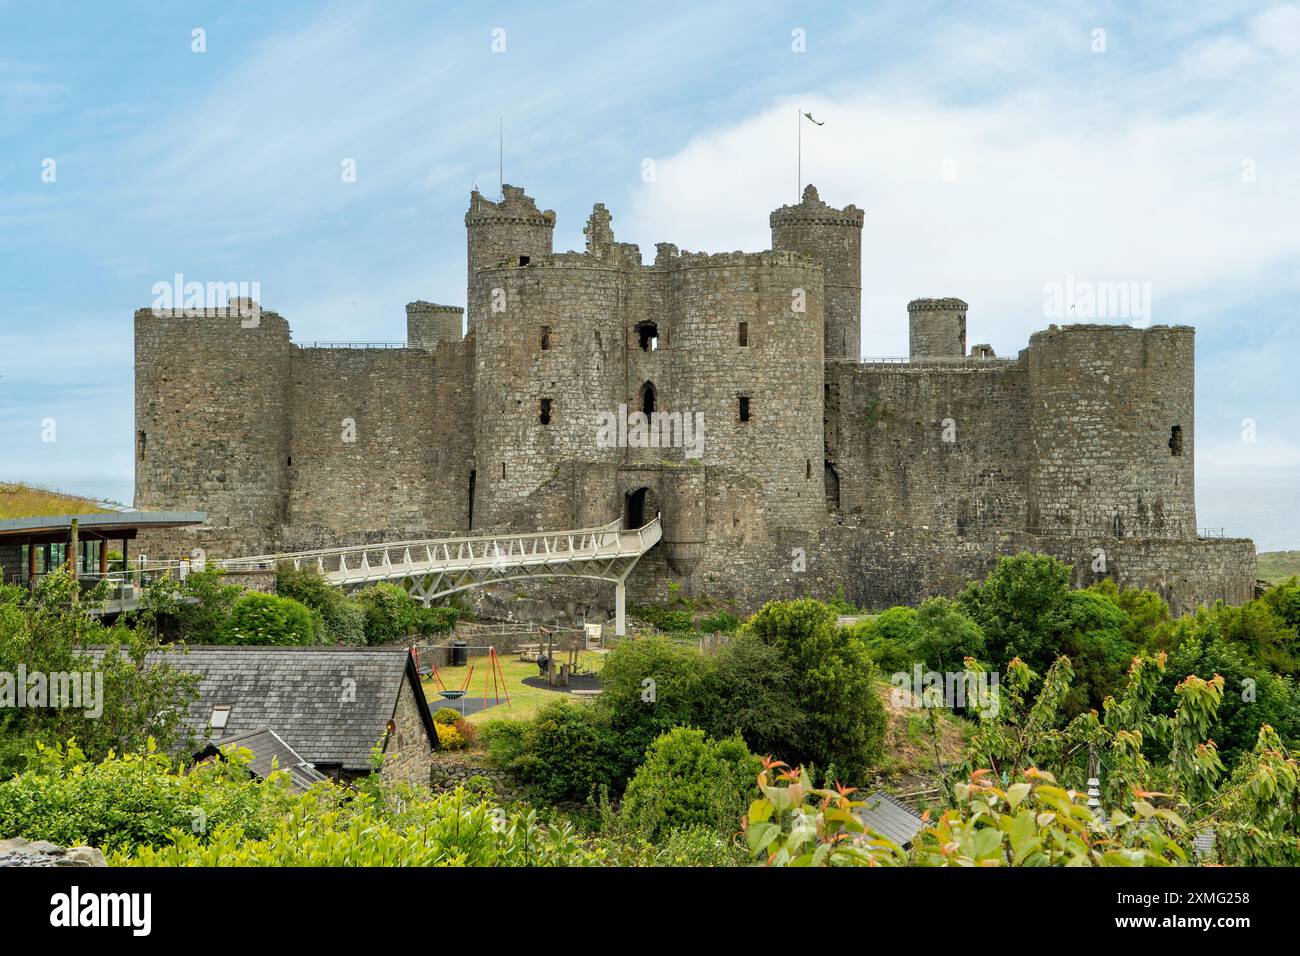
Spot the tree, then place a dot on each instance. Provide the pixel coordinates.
(1023, 608)
(46, 632)
(687, 780)
(943, 636)
(750, 691)
(834, 682)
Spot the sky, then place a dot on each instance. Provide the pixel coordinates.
(998, 150)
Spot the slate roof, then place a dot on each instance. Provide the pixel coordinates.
(329, 704)
(270, 752)
(888, 817)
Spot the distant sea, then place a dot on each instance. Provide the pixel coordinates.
(1258, 503)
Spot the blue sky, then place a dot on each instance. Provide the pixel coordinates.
(994, 148)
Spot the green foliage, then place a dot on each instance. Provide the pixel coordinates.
(888, 637)
(46, 632)
(1096, 638)
(382, 826)
(391, 615)
(665, 619)
(562, 754)
(719, 622)
(1284, 601)
(446, 715)
(195, 610)
(136, 799)
(750, 690)
(1022, 607)
(338, 619)
(689, 780)
(649, 686)
(834, 680)
(800, 825)
(268, 620)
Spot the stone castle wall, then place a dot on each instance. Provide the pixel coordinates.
(897, 479)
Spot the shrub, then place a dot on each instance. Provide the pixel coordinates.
(564, 752)
(888, 638)
(389, 613)
(751, 692)
(446, 715)
(1022, 607)
(268, 619)
(432, 621)
(505, 741)
(719, 622)
(650, 686)
(338, 619)
(45, 631)
(689, 780)
(135, 799)
(666, 619)
(196, 610)
(834, 681)
(449, 737)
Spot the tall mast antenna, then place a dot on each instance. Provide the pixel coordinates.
(501, 156)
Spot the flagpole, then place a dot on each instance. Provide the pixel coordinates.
(501, 156)
(798, 123)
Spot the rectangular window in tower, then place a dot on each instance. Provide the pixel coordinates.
(742, 336)
(1176, 441)
(647, 334)
(141, 444)
(743, 408)
(546, 338)
(544, 411)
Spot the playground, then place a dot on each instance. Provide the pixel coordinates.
(495, 685)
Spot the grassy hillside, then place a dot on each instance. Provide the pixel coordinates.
(1275, 566)
(29, 501)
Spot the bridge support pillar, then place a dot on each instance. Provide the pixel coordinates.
(620, 609)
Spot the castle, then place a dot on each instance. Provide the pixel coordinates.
(809, 469)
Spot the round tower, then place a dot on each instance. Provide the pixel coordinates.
(1111, 431)
(428, 325)
(936, 329)
(833, 236)
(510, 232)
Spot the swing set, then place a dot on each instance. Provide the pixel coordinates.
(494, 680)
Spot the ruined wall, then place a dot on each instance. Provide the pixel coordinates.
(934, 446)
(1105, 401)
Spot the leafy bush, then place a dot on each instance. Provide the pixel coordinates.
(397, 826)
(649, 686)
(750, 691)
(195, 610)
(46, 631)
(888, 638)
(719, 622)
(563, 753)
(1022, 608)
(338, 619)
(666, 619)
(834, 681)
(270, 620)
(446, 715)
(136, 799)
(432, 621)
(449, 738)
(389, 613)
(689, 780)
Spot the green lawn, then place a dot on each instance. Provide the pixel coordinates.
(1275, 566)
(524, 701)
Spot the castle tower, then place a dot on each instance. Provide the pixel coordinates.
(833, 236)
(428, 325)
(1111, 431)
(936, 329)
(212, 424)
(505, 233)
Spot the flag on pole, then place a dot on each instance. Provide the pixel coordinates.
(815, 122)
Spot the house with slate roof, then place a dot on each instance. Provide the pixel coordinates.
(328, 706)
(270, 753)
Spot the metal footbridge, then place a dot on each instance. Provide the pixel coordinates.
(435, 568)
